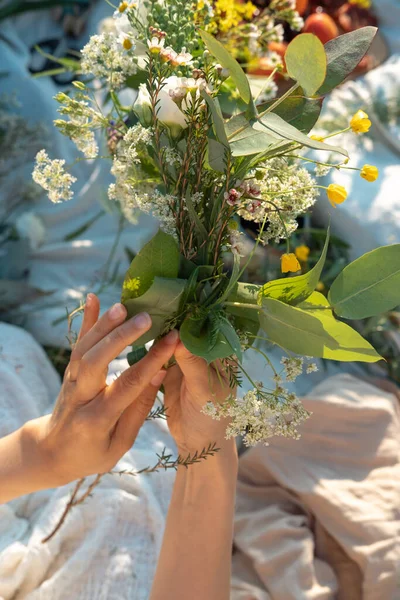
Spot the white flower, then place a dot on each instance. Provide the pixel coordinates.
(126, 33)
(29, 226)
(52, 177)
(156, 44)
(168, 112)
(142, 106)
(104, 57)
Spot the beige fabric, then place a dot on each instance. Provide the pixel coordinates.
(319, 518)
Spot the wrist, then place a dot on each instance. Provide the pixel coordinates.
(224, 461)
(43, 456)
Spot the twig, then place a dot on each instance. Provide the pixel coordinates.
(74, 501)
(166, 462)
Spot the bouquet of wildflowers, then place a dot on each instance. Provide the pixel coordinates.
(175, 154)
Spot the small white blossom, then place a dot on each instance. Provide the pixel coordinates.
(104, 58)
(322, 170)
(293, 367)
(52, 177)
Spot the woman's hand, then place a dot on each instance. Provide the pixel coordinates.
(189, 385)
(93, 425)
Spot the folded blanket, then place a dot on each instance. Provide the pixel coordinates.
(319, 518)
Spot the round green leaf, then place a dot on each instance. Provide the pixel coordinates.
(368, 286)
(306, 62)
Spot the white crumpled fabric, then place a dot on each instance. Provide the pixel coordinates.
(108, 546)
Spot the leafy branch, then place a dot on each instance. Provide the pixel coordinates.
(166, 461)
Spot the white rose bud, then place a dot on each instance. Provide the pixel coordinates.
(169, 113)
(142, 106)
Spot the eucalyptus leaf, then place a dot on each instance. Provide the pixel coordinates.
(294, 290)
(295, 330)
(228, 62)
(297, 109)
(245, 320)
(216, 156)
(368, 286)
(218, 119)
(352, 346)
(275, 125)
(136, 355)
(161, 301)
(158, 258)
(306, 62)
(344, 53)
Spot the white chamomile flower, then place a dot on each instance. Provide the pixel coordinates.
(156, 44)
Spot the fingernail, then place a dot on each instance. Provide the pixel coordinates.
(89, 299)
(158, 379)
(117, 311)
(142, 321)
(172, 337)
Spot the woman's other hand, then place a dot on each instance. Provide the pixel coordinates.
(189, 385)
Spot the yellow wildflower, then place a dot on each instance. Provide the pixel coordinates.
(302, 253)
(337, 194)
(133, 286)
(317, 138)
(369, 173)
(361, 3)
(246, 10)
(229, 13)
(200, 4)
(289, 263)
(360, 123)
(122, 7)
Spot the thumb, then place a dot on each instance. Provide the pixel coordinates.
(195, 370)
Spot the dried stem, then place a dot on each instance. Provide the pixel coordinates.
(74, 501)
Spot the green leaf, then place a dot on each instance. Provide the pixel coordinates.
(368, 286)
(293, 290)
(245, 320)
(70, 64)
(206, 337)
(296, 109)
(161, 301)
(158, 258)
(352, 346)
(136, 355)
(227, 330)
(228, 62)
(294, 329)
(201, 231)
(133, 81)
(306, 62)
(275, 125)
(218, 119)
(216, 156)
(344, 54)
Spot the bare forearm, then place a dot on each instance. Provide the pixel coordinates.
(21, 469)
(195, 559)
